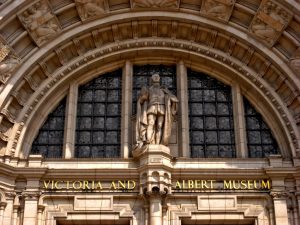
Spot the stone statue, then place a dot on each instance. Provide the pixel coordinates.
(156, 107)
(90, 8)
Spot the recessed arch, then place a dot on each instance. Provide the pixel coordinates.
(285, 107)
(266, 106)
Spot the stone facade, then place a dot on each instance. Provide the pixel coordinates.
(49, 48)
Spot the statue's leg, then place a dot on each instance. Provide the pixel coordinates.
(150, 128)
(160, 121)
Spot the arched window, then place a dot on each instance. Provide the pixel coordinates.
(98, 127)
(210, 117)
(260, 140)
(50, 139)
(210, 109)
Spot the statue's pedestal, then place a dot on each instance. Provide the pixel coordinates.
(153, 155)
(155, 165)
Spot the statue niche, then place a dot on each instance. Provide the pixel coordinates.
(156, 108)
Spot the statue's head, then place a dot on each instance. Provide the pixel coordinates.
(155, 78)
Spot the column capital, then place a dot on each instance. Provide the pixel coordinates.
(31, 195)
(276, 195)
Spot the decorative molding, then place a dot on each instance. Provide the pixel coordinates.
(155, 4)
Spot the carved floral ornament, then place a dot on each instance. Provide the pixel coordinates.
(40, 22)
(270, 21)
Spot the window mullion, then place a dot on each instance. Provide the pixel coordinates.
(126, 108)
(70, 124)
(239, 122)
(183, 115)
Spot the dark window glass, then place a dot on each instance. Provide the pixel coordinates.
(142, 77)
(210, 117)
(98, 129)
(261, 142)
(49, 141)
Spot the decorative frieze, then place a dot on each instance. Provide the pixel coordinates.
(155, 3)
(269, 22)
(40, 22)
(220, 9)
(88, 9)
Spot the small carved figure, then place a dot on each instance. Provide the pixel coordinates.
(7, 67)
(295, 61)
(216, 8)
(90, 8)
(264, 31)
(156, 108)
(40, 22)
(155, 3)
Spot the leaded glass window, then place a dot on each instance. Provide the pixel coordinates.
(98, 129)
(260, 140)
(50, 139)
(142, 77)
(210, 117)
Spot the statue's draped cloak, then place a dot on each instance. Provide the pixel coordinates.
(142, 120)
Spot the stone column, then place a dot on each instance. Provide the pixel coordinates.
(155, 205)
(126, 108)
(40, 214)
(280, 207)
(69, 144)
(239, 122)
(183, 116)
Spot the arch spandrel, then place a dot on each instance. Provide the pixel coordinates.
(266, 65)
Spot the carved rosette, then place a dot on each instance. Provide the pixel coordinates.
(220, 9)
(155, 4)
(40, 22)
(270, 21)
(90, 9)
